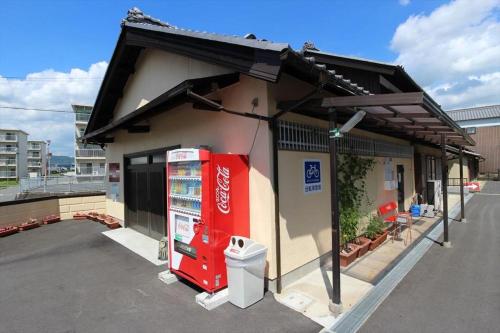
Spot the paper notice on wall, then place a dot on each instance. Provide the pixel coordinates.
(389, 183)
(115, 192)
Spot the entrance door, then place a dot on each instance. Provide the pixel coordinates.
(401, 187)
(145, 188)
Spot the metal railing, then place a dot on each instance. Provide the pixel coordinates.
(8, 137)
(300, 137)
(90, 153)
(455, 181)
(7, 161)
(8, 149)
(82, 117)
(62, 184)
(34, 156)
(8, 174)
(34, 164)
(91, 171)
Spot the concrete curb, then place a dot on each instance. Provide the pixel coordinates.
(357, 316)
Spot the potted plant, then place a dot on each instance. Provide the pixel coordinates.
(351, 178)
(349, 219)
(8, 230)
(376, 232)
(30, 224)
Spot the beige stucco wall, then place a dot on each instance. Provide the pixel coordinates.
(305, 218)
(454, 169)
(156, 72)
(17, 213)
(224, 133)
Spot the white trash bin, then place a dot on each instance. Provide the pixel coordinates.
(245, 263)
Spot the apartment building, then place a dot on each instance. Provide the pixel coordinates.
(90, 160)
(37, 158)
(13, 154)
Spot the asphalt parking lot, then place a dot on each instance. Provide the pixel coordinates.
(68, 277)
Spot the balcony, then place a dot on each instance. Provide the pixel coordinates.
(8, 174)
(87, 171)
(37, 156)
(7, 162)
(8, 150)
(8, 137)
(90, 153)
(33, 164)
(82, 118)
(34, 147)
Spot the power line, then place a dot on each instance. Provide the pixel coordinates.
(33, 109)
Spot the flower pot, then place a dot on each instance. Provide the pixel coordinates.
(364, 245)
(80, 216)
(112, 223)
(347, 258)
(101, 218)
(92, 216)
(378, 240)
(31, 224)
(6, 231)
(51, 219)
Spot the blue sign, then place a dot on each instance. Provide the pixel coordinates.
(312, 176)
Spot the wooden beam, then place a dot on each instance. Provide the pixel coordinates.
(413, 98)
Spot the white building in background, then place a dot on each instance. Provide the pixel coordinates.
(37, 158)
(13, 154)
(90, 160)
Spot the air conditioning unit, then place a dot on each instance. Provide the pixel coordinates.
(435, 194)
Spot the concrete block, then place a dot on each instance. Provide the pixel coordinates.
(211, 301)
(100, 205)
(167, 277)
(64, 209)
(66, 216)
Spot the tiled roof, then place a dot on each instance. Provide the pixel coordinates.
(482, 112)
(135, 17)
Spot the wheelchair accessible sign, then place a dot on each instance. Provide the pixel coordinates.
(312, 176)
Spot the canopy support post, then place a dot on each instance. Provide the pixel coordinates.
(444, 185)
(462, 201)
(335, 305)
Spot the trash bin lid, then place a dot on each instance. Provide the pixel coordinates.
(242, 248)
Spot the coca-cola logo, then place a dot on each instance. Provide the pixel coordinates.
(222, 189)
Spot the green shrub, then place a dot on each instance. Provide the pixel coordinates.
(375, 227)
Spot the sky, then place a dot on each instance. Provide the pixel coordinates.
(55, 53)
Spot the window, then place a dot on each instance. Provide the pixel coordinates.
(470, 130)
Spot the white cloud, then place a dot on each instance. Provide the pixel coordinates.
(49, 89)
(404, 2)
(454, 52)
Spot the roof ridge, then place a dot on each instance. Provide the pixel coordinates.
(474, 107)
(135, 15)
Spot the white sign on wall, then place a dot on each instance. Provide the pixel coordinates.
(312, 176)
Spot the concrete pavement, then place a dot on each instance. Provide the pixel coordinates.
(452, 290)
(68, 277)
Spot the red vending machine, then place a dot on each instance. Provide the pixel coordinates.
(207, 204)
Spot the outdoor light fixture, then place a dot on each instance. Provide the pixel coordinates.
(337, 132)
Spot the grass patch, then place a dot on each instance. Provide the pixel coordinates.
(6, 183)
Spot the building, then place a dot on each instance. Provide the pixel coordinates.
(483, 125)
(90, 161)
(13, 154)
(37, 158)
(167, 87)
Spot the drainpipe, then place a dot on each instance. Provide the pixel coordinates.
(444, 184)
(273, 124)
(462, 203)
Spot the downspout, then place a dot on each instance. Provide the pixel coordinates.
(273, 125)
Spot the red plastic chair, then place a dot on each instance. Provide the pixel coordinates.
(398, 219)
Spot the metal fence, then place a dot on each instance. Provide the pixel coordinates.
(455, 181)
(62, 184)
(300, 137)
(90, 153)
